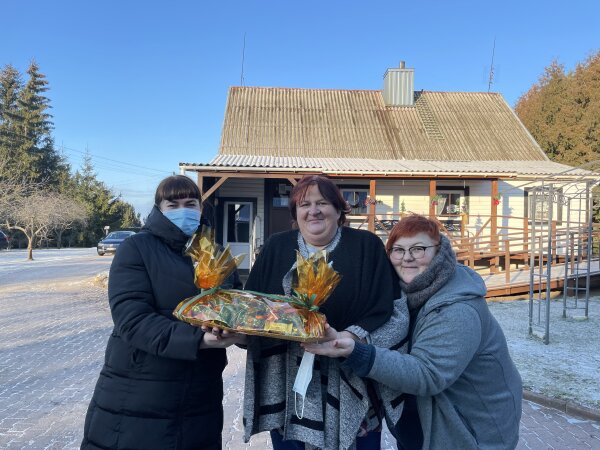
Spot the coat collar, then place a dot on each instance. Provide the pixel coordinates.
(164, 229)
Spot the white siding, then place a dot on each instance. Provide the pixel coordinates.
(414, 195)
(511, 210)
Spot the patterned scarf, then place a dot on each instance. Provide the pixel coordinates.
(337, 401)
(306, 250)
(440, 270)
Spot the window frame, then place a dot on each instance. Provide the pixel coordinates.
(464, 196)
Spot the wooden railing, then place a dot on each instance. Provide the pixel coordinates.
(477, 248)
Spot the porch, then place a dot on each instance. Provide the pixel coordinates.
(478, 203)
(505, 254)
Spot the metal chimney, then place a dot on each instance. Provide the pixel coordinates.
(399, 86)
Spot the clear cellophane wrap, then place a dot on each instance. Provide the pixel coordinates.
(294, 317)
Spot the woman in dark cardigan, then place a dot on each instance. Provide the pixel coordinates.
(335, 412)
(161, 385)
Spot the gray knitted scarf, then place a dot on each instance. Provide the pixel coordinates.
(440, 270)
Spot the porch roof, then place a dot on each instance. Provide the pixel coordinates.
(386, 168)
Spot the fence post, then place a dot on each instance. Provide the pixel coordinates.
(372, 203)
(471, 255)
(494, 225)
(553, 244)
(507, 260)
(432, 191)
(526, 241)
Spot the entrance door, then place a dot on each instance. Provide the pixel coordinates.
(237, 226)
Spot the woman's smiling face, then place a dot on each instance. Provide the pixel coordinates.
(317, 218)
(407, 267)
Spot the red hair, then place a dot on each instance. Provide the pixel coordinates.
(411, 225)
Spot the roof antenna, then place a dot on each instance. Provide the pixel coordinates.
(491, 77)
(243, 54)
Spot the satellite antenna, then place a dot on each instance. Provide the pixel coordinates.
(491, 77)
(243, 54)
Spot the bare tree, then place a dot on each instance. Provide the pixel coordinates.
(30, 215)
(66, 212)
(42, 212)
(13, 187)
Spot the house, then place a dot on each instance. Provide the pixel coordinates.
(464, 157)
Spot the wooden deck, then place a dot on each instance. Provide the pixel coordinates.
(520, 279)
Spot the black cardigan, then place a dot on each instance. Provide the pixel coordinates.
(366, 291)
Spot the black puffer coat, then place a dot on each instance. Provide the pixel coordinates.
(156, 389)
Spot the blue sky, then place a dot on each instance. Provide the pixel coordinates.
(142, 84)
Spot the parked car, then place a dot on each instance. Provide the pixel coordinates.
(4, 241)
(110, 243)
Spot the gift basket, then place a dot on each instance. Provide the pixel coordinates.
(294, 317)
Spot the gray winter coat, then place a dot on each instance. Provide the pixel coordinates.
(468, 390)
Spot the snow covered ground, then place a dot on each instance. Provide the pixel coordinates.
(50, 264)
(568, 368)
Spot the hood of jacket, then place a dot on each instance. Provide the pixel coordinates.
(161, 227)
(465, 284)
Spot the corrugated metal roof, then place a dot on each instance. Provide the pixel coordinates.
(286, 122)
(386, 167)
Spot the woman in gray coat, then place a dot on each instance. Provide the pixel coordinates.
(461, 384)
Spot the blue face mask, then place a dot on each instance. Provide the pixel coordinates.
(186, 219)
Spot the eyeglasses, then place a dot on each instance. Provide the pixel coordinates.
(416, 252)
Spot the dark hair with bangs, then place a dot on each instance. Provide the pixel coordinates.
(176, 187)
(328, 190)
(411, 225)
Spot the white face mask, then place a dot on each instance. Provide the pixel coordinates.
(302, 380)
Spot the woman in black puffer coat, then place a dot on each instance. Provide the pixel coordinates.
(161, 384)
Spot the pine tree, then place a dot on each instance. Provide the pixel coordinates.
(30, 166)
(562, 112)
(10, 86)
(36, 149)
(103, 207)
(584, 126)
(13, 183)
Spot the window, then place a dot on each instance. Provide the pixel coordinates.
(450, 202)
(356, 198)
(543, 202)
(238, 222)
(281, 195)
(281, 202)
